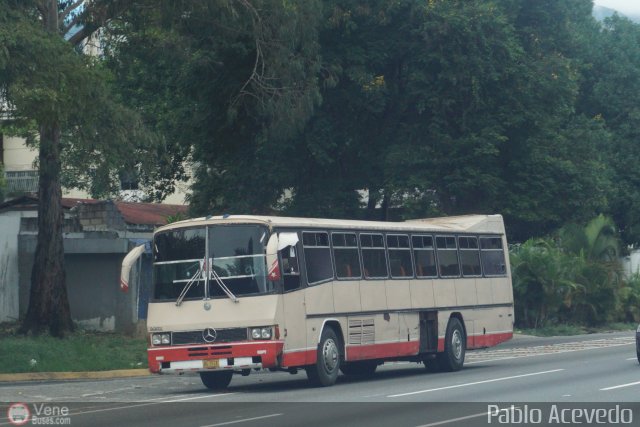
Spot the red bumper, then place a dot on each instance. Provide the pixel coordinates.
(263, 354)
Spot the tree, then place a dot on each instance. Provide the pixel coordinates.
(226, 82)
(60, 99)
(608, 93)
(544, 282)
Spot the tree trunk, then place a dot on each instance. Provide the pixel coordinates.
(48, 302)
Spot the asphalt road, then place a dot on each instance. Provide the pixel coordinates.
(587, 373)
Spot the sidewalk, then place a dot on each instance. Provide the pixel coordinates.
(44, 376)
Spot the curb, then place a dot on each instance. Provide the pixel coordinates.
(43, 376)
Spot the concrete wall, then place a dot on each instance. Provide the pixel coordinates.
(9, 277)
(631, 263)
(17, 156)
(92, 263)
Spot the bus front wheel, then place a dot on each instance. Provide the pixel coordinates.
(325, 372)
(217, 380)
(455, 346)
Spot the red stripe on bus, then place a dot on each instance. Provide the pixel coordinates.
(380, 351)
(481, 341)
(299, 358)
(268, 351)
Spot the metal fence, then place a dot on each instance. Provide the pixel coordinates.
(22, 181)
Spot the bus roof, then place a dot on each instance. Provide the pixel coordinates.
(465, 223)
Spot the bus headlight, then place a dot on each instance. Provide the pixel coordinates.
(161, 339)
(264, 333)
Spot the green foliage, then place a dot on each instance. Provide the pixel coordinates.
(46, 80)
(607, 94)
(361, 109)
(177, 217)
(224, 82)
(543, 282)
(629, 303)
(80, 351)
(576, 278)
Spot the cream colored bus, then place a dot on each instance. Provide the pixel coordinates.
(234, 294)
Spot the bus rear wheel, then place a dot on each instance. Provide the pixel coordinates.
(325, 372)
(217, 380)
(455, 346)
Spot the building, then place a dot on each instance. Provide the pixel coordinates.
(21, 175)
(97, 236)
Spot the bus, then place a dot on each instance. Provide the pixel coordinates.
(233, 294)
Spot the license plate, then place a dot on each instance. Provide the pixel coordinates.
(211, 364)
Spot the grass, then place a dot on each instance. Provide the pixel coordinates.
(80, 351)
(567, 329)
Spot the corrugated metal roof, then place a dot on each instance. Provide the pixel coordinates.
(148, 213)
(133, 213)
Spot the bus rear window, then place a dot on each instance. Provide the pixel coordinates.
(492, 255)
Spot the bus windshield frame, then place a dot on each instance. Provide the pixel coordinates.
(236, 255)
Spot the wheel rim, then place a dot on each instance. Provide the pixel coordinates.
(330, 355)
(456, 344)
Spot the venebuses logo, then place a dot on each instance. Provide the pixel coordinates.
(18, 414)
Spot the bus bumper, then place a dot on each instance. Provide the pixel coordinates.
(228, 356)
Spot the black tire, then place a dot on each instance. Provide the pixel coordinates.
(455, 347)
(325, 372)
(432, 365)
(363, 368)
(216, 380)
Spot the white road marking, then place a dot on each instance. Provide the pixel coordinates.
(468, 417)
(453, 420)
(632, 358)
(244, 420)
(619, 386)
(498, 359)
(196, 397)
(100, 393)
(115, 408)
(476, 383)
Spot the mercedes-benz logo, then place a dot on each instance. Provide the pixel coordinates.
(209, 335)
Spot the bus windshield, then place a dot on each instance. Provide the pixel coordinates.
(236, 255)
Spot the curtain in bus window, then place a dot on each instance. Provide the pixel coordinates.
(424, 256)
(447, 256)
(469, 256)
(345, 255)
(317, 256)
(492, 256)
(399, 256)
(374, 258)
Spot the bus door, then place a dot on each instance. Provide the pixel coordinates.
(294, 329)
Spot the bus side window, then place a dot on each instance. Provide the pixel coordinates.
(290, 268)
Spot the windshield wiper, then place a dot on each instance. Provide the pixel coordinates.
(224, 288)
(186, 288)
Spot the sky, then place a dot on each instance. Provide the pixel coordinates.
(624, 6)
